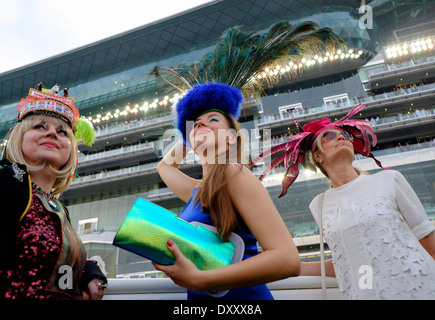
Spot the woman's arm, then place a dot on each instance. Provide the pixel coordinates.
(179, 183)
(91, 278)
(428, 243)
(279, 259)
(414, 212)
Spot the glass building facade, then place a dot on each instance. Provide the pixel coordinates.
(112, 85)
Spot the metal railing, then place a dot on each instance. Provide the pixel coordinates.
(397, 67)
(111, 153)
(346, 104)
(297, 288)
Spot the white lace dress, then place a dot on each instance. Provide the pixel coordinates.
(373, 225)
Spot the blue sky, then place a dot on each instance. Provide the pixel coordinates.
(34, 30)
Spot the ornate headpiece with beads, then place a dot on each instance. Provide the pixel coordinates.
(38, 102)
(43, 101)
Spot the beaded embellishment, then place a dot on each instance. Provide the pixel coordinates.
(50, 197)
(18, 173)
(40, 191)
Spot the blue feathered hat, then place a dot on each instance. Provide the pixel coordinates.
(207, 97)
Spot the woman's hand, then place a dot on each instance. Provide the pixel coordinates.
(183, 272)
(96, 291)
(179, 183)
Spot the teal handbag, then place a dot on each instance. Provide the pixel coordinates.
(147, 228)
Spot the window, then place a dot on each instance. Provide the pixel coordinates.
(338, 100)
(294, 109)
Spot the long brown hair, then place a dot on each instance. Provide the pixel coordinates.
(213, 193)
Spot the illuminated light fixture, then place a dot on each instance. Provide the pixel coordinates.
(412, 47)
(279, 70)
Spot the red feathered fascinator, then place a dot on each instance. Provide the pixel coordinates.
(295, 150)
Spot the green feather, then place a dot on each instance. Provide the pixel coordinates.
(85, 131)
(240, 57)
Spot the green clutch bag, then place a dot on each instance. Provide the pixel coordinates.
(147, 228)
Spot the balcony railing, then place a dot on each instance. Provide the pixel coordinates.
(400, 118)
(395, 68)
(378, 123)
(117, 152)
(116, 174)
(103, 132)
(193, 160)
(345, 105)
(388, 157)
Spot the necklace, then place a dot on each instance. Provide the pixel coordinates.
(39, 190)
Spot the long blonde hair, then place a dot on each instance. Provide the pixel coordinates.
(14, 151)
(213, 193)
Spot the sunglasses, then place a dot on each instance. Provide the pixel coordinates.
(330, 135)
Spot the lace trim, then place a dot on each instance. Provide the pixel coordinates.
(402, 269)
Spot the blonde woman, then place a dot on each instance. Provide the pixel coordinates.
(381, 241)
(42, 256)
(228, 197)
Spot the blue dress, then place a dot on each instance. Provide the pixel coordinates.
(192, 212)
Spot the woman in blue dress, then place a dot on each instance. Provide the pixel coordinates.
(229, 196)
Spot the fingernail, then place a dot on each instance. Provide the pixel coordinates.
(170, 243)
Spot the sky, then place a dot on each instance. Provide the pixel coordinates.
(34, 30)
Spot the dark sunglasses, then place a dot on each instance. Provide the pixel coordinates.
(330, 135)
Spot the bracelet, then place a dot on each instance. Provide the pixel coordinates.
(102, 285)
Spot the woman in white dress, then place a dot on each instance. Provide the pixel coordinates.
(382, 243)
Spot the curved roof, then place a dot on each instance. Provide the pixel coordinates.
(196, 28)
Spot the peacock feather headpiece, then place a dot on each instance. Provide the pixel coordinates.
(240, 59)
(295, 150)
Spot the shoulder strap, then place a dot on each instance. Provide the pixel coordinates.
(322, 249)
